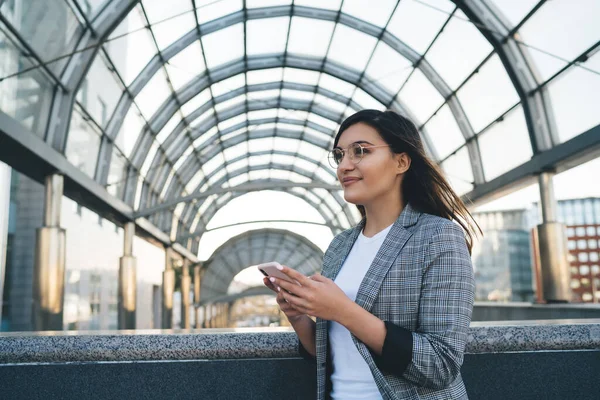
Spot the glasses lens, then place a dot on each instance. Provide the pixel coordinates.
(335, 157)
(356, 152)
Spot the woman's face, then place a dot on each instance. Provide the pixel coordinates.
(377, 175)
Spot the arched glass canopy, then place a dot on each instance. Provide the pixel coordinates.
(200, 96)
(252, 248)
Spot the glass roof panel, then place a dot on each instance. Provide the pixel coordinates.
(141, 41)
(267, 3)
(267, 35)
(297, 94)
(235, 151)
(168, 128)
(153, 94)
(83, 144)
(365, 100)
(310, 36)
(196, 101)
(459, 172)
(388, 68)
(209, 10)
(231, 38)
(376, 12)
(300, 76)
(229, 84)
(336, 85)
(551, 48)
(487, 94)
(260, 144)
(330, 104)
(149, 158)
(264, 76)
(505, 144)
(186, 65)
(264, 94)
(329, 4)
(421, 98)
(232, 121)
(514, 11)
(48, 40)
(322, 121)
(444, 132)
(212, 164)
(576, 92)
(259, 114)
(130, 130)
(417, 22)
(351, 48)
(168, 31)
(160, 10)
(229, 103)
(101, 104)
(458, 50)
(280, 143)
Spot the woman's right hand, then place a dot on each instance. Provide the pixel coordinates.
(290, 312)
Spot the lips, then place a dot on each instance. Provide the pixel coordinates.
(349, 181)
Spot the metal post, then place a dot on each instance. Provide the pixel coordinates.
(127, 281)
(186, 283)
(49, 266)
(197, 283)
(554, 263)
(168, 289)
(4, 216)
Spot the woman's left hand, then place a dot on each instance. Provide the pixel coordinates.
(318, 296)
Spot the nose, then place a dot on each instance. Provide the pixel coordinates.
(345, 164)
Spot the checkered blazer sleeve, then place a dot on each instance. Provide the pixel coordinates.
(445, 308)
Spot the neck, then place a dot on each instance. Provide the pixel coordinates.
(382, 213)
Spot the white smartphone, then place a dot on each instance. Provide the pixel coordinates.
(270, 269)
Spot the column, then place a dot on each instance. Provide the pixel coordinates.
(4, 215)
(49, 264)
(186, 283)
(197, 284)
(127, 281)
(552, 247)
(168, 289)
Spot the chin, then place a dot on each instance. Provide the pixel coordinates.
(354, 198)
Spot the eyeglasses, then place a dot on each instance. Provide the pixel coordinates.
(356, 152)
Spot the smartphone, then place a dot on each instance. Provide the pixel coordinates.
(270, 269)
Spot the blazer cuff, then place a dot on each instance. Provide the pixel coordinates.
(305, 354)
(397, 352)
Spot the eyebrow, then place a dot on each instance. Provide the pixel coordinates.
(358, 141)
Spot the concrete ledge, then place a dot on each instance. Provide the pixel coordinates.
(223, 344)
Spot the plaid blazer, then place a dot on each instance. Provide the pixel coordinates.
(422, 280)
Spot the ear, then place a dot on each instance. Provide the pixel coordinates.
(403, 161)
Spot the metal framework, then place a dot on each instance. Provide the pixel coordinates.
(170, 164)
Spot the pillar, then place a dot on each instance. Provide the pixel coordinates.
(197, 283)
(168, 289)
(552, 247)
(4, 215)
(49, 262)
(127, 281)
(186, 283)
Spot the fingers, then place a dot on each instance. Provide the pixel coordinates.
(297, 302)
(290, 287)
(270, 285)
(295, 275)
(319, 278)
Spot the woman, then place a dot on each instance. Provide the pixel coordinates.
(394, 301)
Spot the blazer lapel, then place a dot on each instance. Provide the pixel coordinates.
(333, 268)
(388, 252)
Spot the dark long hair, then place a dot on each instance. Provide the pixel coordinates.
(424, 185)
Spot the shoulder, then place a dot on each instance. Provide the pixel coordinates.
(431, 226)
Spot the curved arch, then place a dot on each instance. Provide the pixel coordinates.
(215, 204)
(255, 247)
(269, 166)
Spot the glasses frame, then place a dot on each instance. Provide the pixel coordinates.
(331, 156)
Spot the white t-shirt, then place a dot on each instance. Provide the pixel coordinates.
(351, 378)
